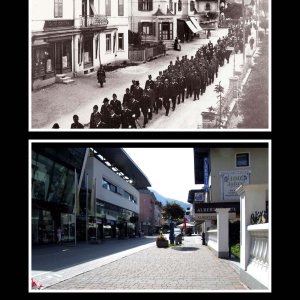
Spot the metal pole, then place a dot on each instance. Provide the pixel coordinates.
(256, 19)
(86, 209)
(243, 32)
(96, 207)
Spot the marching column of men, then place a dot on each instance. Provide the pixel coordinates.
(184, 79)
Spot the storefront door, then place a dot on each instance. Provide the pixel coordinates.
(166, 31)
(58, 61)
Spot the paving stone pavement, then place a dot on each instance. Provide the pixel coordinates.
(161, 269)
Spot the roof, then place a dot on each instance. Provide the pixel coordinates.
(169, 13)
(159, 13)
(118, 158)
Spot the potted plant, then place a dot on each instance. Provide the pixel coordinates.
(161, 242)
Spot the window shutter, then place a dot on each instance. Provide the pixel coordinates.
(140, 27)
(140, 4)
(150, 4)
(150, 28)
(121, 6)
(153, 25)
(60, 11)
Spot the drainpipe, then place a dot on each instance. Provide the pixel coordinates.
(74, 38)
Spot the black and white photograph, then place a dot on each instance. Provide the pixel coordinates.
(152, 65)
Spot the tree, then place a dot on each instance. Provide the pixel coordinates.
(233, 11)
(173, 211)
(264, 24)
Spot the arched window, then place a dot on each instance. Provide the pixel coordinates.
(207, 6)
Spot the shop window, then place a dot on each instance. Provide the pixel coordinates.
(49, 54)
(58, 8)
(108, 42)
(66, 54)
(242, 160)
(121, 41)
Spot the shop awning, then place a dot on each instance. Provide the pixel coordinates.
(191, 26)
(110, 217)
(195, 23)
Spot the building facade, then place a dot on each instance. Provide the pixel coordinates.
(73, 37)
(108, 196)
(147, 211)
(228, 168)
(162, 20)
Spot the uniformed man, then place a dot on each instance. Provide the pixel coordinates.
(150, 82)
(116, 104)
(196, 86)
(167, 96)
(114, 120)
(126, 116)
(189, 84)
(135, 107)
(181, 86)
(145, 103)
(127, 97)
(138, 91)
(158, 91)
(174, 92)
(150, 93)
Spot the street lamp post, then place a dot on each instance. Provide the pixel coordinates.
(243, 4)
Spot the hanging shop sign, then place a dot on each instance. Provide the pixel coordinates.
(230, 181)
(198, 197)
(206, 188)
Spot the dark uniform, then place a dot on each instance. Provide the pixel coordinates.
(135, 107)
(181, 86)
(114, 121)
(166, 97)
(94, 119)
(158, 90)
(196, 85)
(174, 92)
(151, 94)
(116, 104)
(145, 106)
(189, 80)
(126, 118)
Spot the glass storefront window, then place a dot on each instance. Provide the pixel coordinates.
(67, 227)
(66, 54)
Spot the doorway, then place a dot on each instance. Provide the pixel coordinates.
(58, 62)
(166, 30)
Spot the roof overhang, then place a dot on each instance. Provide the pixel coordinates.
(122, 161)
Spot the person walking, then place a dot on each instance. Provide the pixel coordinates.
(166, 96)
(151, 95)
(174, 92)
(58, 235)
(95, 118)
(145, 104)
(114, 121)
(139, 233)
(116, 104)
(182, 87)
(101, 75)
(196, 86)
(135, 107)
(251, 42)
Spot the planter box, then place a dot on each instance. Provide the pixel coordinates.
(162, 244)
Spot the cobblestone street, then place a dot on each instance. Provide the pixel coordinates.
(187, 267)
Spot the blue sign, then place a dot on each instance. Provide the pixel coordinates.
(206, 187)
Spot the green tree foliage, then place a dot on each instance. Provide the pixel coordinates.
(233, 11)
(173, 211)
(254, 103)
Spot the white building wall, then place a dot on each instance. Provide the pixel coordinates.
(96, 169)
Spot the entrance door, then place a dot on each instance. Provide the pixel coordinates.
(58, 55)
(165, 31)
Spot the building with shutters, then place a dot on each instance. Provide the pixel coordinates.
(163, 20)
(73, 37)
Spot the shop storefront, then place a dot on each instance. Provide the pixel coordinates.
(52, 193)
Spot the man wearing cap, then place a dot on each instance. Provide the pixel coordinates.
(135, 107)
(76, 124)
(174, 92)
(105, 111)
(189, 83)
(167, 96)
(196, 86)
(127, 97)
(138, 91)
(126, 116)
(145, 103)
(116, 104)
(150, 82)
(114, 121)
(151, 94)
(95, 118)
(158, 91)
(181, 86)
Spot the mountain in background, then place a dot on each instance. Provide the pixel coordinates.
(162, 199)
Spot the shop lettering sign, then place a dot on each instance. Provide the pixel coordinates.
(60, 23)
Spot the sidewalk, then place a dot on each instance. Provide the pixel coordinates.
(189, 267)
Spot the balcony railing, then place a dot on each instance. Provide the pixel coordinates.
(95, 20)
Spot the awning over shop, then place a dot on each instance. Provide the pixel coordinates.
(195, 23)
(191, 26)
(110, 217)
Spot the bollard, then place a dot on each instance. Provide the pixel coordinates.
(203, 238)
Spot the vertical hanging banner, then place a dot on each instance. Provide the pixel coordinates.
(93, 198)
(184, 220)
(206, 187)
